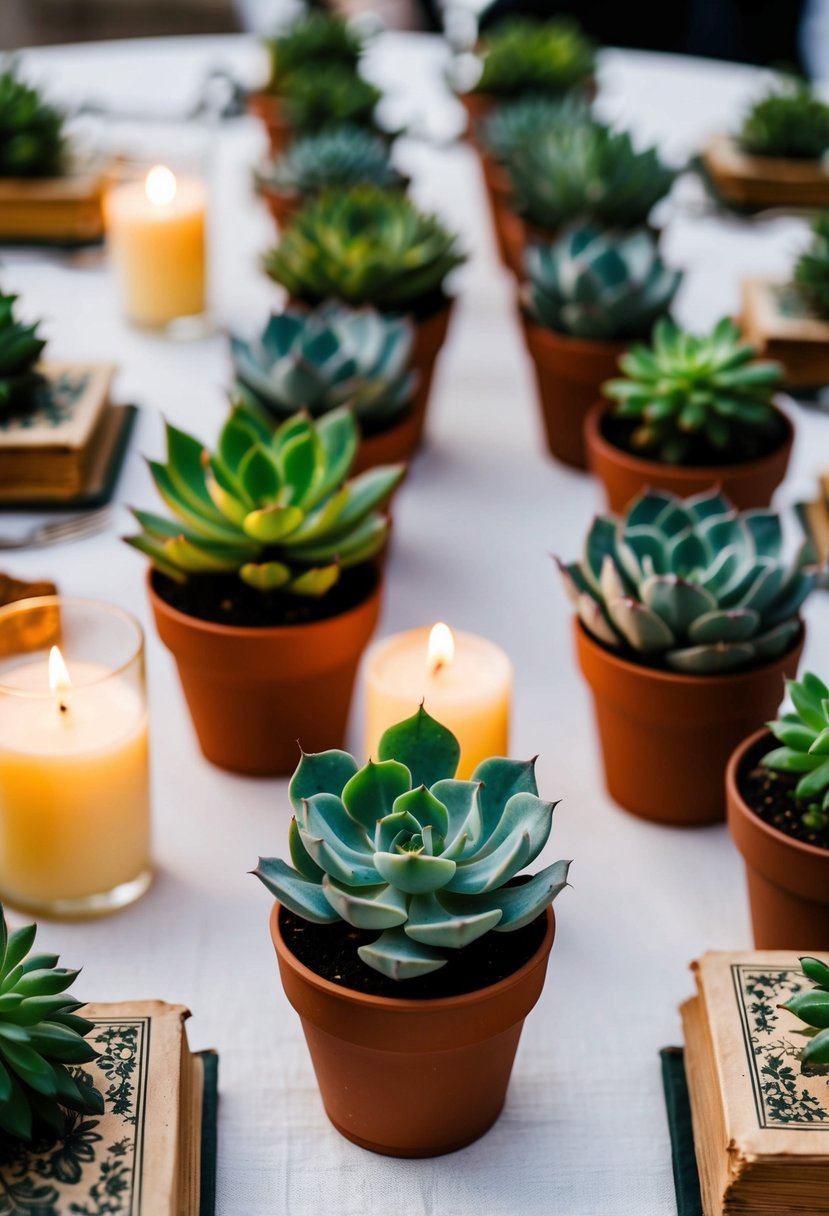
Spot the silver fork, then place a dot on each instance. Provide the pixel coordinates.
(74, 528)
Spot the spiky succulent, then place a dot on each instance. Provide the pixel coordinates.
(20, 349)
(402, 848)
(331, 356)
(804, 733)
(599, 285)
(272, 506)
(789, 122)
(812, 1007)
(346, 156)
(811, 271)
(42, 1042)
(691, 584)
(31, 140)
(316, 40)
(687, 390)
(314, 101)
(526, 56)
(515, 124)
(365, 246)
(586, 173)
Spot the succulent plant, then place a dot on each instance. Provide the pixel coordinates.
(346, 156)
(272, 506)
(686, 390)
(599, 285)
(31, 140)
(331, 356)
(811, 272)
(20, 349)
(586, 173)
(691, 584)
(316, 39)
(525, 56)
(42, 1039)
(314, 101)
(789, 122)
(403, 848)
(804, 734)
(513, 125)
(365, 246)
(812, 1007)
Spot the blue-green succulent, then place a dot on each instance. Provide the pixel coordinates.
(336, 159)
(515, 124)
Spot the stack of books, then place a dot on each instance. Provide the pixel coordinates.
(814, 516)
(61, 211)
(774, 320)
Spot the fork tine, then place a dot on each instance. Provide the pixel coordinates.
(75, 527)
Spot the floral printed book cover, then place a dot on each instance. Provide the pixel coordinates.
(152, 1152)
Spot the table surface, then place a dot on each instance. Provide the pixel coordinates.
(584, 1129)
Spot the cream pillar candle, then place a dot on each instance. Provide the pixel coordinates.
(156, 233)
(463, 680)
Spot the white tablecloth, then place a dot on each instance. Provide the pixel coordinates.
(584, 1130)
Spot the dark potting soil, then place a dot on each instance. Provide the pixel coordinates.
(224, 599)
(331, 952)
(755, 443)
(771, 797)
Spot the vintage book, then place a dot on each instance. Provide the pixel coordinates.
(760, 1119)
(678, 1108)
(774, 320)
(814, 519)
(153, 1151)
(760, 182)
(60, 210)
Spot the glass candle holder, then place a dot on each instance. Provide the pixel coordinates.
(74, 758)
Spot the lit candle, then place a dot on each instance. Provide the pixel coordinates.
(463, 680)
(156, 232)
(74, 780)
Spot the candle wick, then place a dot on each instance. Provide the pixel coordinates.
(438, 667)
(63, 707)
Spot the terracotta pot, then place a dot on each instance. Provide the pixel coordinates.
(430, 335)
(412, 1078)
(254, 692)
(497, 187)
(666, 737)
(477, 106)
(569, 373)
(268, 109)
(397, 444)
(750, 484)
(282, 204)
(788, 881)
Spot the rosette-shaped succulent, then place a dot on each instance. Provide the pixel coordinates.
(804, 734)
(812, 1007)
(347, 156)
(331, 356)
(31, 140)
(316, 40)
(525, 56)
(20, 349)
(272, 506)
(365, 246)
(691, 584)
(789, 122)
(404, 849)
(316, 100)
(515, 124)
(586, 173)
(599, 285)
(42, 1041)
(811, 272)
(689, 388)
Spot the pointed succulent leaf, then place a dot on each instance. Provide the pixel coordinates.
(272, 524)
(433, 924)
(500, 779)
(485, 873)
(816, 1051)
(425, 808)
(304, 863)
(677, 602)
(816, 970)
(371, 793)
(520, 905)
(369, 908)
(428, 750)
(811, 1006)
(399, 957)
(265, 576)
(710, 659)
(296, 893)
(643, 629)
(414, 873)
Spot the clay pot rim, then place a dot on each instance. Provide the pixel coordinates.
(657, 469)
(737, 805)
(409, 1005)
(266, 632)
(679, 677)
(585, 346)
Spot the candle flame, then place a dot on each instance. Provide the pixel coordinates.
(441, 649)
(59, 679)
(160, 185)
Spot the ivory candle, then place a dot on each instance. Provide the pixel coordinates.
(464, 681)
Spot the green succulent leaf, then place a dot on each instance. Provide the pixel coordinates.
(429, 751)
(299, 895)
(400, 957)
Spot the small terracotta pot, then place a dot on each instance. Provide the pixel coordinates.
(268, 109)
(253, 693)
(788, 881)
(282, 204)
(498, 194)
(430, 335)
(477, 106)
(396, 445)
(750, 484)
(517, 234)
(666, 737)
(412, 1078)
(569, 373)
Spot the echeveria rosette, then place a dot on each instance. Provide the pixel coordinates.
(689, 584)
(273, 506)
(804, 734)
(812, 1007)
(402, 848)
(789, 122)
(42, 1042)
(513, 125)
(526, 56)
(314, 41)
(346, 156)
(811, 271)
(20, 349)
(316, 100)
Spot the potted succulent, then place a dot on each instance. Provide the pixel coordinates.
(331, 356)
(586, 297)
(331, 160)
(407, 940)
(264, 583)
(777, 157)
(811, 1006)
(686, 621)
(778, 813)
(20, 351)
(691, 411)
(580, 173)
(369, 246)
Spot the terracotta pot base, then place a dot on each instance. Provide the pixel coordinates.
(430, 335)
